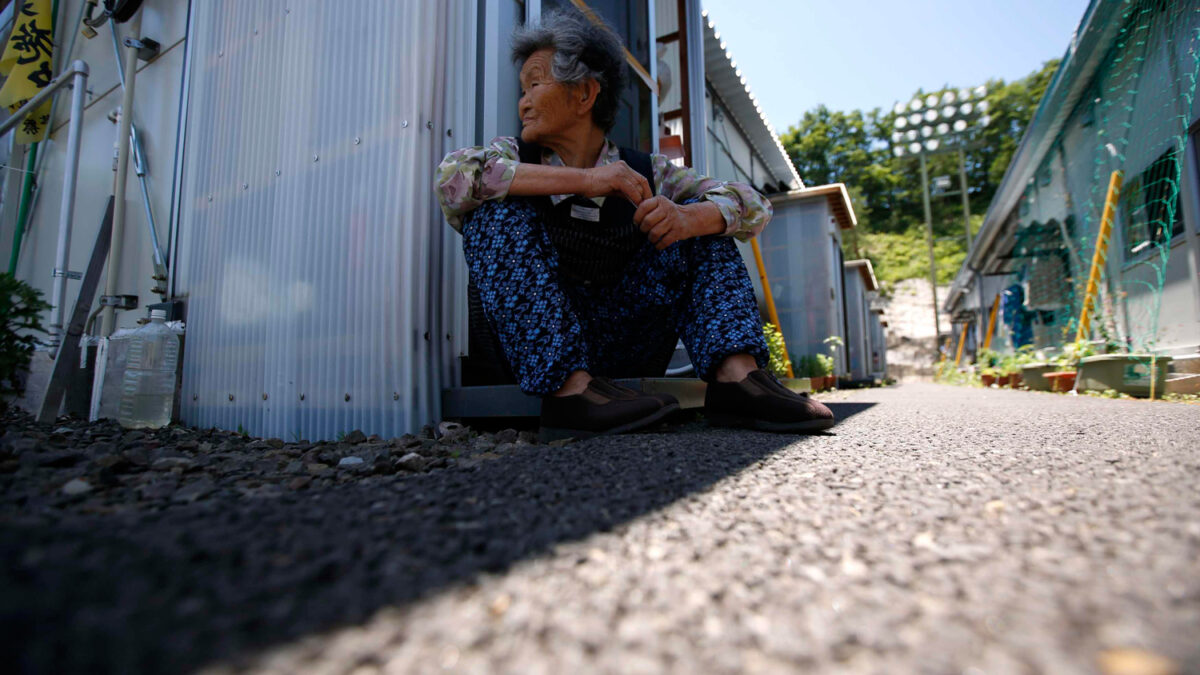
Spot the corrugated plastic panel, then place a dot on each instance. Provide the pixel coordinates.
(312, 251)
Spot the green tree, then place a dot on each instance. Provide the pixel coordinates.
(854, 148)
(829, 146)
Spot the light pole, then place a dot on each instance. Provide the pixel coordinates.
(933, 125)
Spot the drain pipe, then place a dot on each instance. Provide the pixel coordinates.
(108, 316)
(139, 167)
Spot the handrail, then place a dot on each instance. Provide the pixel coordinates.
(77, 67)
(76, 77)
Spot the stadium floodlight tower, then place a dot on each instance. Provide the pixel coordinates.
(935, 124)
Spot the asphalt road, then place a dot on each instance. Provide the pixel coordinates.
(935, 530)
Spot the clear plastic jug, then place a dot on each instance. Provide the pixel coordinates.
(148, 386)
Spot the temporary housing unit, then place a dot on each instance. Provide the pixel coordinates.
(1122, 102)
(802, 253)
(878, 343)
(861, 287)
(291, 148)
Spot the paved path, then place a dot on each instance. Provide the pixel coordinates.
(937, 529)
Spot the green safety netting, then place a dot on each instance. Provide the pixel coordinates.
(1133, 120)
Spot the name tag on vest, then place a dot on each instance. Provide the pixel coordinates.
(585, 213)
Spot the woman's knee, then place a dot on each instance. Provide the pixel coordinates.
(496, 220)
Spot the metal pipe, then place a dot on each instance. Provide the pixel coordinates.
(66, 215)
(40, 98)
(937, 324)
(108, 316)
(962, 187)
(139, 166)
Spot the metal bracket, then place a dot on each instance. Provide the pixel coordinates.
(119, 301)
(147, 48)
(70, 275)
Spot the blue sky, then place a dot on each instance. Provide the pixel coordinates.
(797, 54)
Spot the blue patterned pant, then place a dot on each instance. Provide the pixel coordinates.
(697, 289)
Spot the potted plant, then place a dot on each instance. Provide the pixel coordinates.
(833, 342)
(1128, 373)
(988, 376)
(1063, 378)
(1023, 356)
(1033, 372)
(824, 364)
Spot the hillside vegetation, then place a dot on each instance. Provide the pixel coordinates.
(854, 148)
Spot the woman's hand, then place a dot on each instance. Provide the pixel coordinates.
(618, 180)
(666, 222)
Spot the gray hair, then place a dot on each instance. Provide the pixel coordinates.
(582, 50)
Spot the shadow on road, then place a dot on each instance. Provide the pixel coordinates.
(176, 589)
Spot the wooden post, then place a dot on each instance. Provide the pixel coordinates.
(772, 313)
(1100, 255)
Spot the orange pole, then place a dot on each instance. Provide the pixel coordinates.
(1100, 255)
(772, 313)
(962, 338)
(987, 341)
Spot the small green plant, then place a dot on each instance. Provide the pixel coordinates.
(1073, 353)
(778, 363)
(241, 431)
(341, 436)
(21, 306)
(824, 365)
(987, 358)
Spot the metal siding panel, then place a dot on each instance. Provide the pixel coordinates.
(315, 270)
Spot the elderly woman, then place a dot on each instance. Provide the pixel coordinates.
(592, 260)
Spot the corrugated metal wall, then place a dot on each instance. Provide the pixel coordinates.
(322, 282)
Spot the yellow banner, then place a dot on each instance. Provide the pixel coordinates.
(26, 62)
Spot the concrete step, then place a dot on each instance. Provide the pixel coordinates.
(1183, 383)
(1186, 364)
(510, 401)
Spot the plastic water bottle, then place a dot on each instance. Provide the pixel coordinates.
(148, 388)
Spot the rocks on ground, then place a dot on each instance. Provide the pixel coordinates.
(101, 468)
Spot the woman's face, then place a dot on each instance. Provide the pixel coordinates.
(546, 106)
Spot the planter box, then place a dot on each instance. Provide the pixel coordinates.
(798, 384)
(1126, 373)
(987, 380)
(1034, 375)
(1003, 380)
(1015, 381)
(1062, 381)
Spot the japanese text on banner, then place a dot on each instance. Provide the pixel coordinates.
(26, 62)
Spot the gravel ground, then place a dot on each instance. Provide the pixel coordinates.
(936, 529)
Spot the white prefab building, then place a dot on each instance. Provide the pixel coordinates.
(802, 254)
(291, 146)
(861, 287)
(1123, 100)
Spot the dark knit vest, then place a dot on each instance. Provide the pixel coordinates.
(594, 244)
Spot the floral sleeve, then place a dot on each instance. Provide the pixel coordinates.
(468, 177)
(746, 212)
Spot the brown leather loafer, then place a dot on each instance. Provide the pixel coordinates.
(603, 408)
(761, 402)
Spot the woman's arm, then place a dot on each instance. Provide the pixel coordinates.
(612, 179)
(744, 212)
(468, 177)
